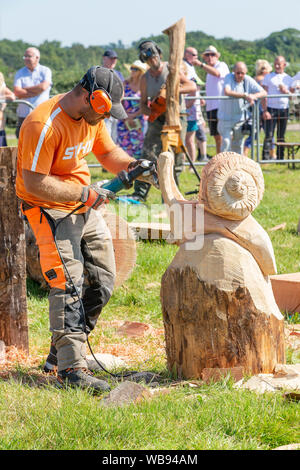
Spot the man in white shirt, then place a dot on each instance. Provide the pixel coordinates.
(32, 83)
(216, 71)
(276, 110)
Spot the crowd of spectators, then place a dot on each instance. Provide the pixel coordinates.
(227, 120)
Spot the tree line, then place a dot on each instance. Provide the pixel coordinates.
(68, 64)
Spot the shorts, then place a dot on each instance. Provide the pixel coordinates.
(192, 126)
(212, 120)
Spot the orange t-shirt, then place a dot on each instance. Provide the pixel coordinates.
(54, 144)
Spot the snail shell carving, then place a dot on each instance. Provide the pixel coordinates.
(231, 186)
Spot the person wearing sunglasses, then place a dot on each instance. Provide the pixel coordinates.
(216, 72)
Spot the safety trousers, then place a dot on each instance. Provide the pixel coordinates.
(79, 267)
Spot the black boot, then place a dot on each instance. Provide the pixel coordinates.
(82, 378)
(51, 361)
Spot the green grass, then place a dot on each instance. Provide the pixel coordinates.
(218, 417)
(38, 416)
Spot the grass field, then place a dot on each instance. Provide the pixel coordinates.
(35, 415)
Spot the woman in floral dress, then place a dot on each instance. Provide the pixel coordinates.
(131, 131)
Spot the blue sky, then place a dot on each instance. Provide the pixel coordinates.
(98, 22)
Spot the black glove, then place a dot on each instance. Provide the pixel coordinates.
(149, 175)
(94, 196)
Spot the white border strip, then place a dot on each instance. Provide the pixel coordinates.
(42, 137)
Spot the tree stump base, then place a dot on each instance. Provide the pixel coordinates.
(206, 327)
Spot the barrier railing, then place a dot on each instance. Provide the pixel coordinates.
(255, 129)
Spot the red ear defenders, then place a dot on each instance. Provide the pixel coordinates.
(100, 99)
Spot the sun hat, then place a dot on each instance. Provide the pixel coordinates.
(211, 50)
(138, 64)
(102, 78)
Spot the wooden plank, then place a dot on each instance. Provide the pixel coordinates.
(150, 231)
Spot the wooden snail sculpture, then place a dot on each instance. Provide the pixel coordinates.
(217, 301)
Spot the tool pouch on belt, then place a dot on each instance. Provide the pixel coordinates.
(43, 228)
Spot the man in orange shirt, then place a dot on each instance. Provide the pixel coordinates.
(53, 181)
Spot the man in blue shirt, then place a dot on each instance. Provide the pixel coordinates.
(32, 83)
(245, 91)
(109, 61)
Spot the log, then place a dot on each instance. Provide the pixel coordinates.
(217, 301)
(124, 249)
(13, 304)
(176, 35)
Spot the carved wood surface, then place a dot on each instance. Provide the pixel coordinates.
(210, 327)
(176, 35)
(13, 306)
(218, 305)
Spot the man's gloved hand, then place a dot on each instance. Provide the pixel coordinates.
(149, 175)
(94, 196)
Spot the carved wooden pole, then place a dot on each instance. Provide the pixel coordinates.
(176, 35)
(13, 306)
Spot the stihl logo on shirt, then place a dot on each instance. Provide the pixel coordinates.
(83, 148)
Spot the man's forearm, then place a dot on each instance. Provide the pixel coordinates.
(51, 188)
(30, 91)
(116, 160)
(208, 68)
(37, 89)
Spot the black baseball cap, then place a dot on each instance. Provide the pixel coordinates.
(110, 53)
(102, 78)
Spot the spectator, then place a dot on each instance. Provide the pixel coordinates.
(276, 110)
(216, 71)
(195, 124)
(5, 94)
(131, 130)
(295, 87)
(191, 59)
(232, 113)
(32, 83)
(195, 127)
(262, 68)
(109, 61)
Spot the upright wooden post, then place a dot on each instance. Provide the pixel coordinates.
(176, 35)
(13, 306)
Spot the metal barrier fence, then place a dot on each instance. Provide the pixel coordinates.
(256, 128)
(292, 147)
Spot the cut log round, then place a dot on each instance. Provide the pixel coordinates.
(124, 248)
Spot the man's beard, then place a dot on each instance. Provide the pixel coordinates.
(156, 66)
